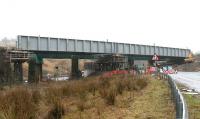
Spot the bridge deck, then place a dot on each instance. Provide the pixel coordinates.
(35, 43)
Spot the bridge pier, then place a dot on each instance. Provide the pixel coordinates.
(18, 70)
(35, 72)
(75, 67)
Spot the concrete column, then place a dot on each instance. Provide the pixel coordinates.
(75, 69)
(31, 71)
(38, 74)
(18, 71)
(35, 72)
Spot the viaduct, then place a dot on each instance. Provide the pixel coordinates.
(74, 49)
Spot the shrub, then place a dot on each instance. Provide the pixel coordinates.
(141, 83)
(130, 84)
(57, 111)
(104, 82)
(66, 90)
(81, 105)
(120, 85)
(18, 104)
(36, 96)
(92, 86)
(5, 68)
(52, 94)
(111, 94)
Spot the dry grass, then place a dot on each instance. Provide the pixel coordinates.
(154, 102)
(17, 104)
(117, 97)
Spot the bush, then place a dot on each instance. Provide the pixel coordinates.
(57, 111)
(120, 85)
(20, 103)
(36, 96)
(5, 68)
(52, 94)
(129, 84)
(81, 105)
(104, 82)
(92, 86)
(111, 95)
(66, 90)
(141, 83)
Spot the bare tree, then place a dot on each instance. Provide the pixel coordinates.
(8, 43)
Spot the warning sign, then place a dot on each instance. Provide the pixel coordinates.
(155, 57)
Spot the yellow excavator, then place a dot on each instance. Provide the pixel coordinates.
(190, 58)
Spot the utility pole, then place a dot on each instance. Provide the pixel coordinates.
(154, 53)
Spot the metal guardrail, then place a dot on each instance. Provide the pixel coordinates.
(177, 97)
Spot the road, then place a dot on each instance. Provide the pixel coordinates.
(189, 79)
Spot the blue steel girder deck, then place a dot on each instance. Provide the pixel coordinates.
(47, 46)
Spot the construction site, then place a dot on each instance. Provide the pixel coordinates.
(102, 59)
(84, 77)
(85, 58)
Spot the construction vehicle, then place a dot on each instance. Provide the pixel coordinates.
(190, 58)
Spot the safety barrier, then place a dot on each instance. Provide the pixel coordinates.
(177, 97)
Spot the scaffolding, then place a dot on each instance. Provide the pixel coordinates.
(112, 62)
(15, 55)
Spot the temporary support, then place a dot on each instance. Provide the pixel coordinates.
(130, 64)
(75, 68)
(18, 71)
(35, 72)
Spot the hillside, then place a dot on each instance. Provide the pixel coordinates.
(195, 66)
(49, 65)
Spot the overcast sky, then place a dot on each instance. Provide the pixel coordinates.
(174, 23)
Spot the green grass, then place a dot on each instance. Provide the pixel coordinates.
(193, 103)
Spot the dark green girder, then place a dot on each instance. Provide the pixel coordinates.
(38, 56)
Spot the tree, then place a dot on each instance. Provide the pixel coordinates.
(8, 43)
(5, 68)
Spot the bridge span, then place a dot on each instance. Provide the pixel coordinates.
(41, 44)
(61, 48)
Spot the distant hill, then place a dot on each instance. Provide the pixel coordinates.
(190, 67)
(49, 65)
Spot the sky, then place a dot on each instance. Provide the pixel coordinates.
(169, 23)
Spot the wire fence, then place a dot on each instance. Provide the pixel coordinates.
(177, 97)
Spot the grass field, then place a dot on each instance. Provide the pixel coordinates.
(154, 102)
(193, 103)
(116, 97)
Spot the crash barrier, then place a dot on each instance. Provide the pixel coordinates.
(177, 97)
